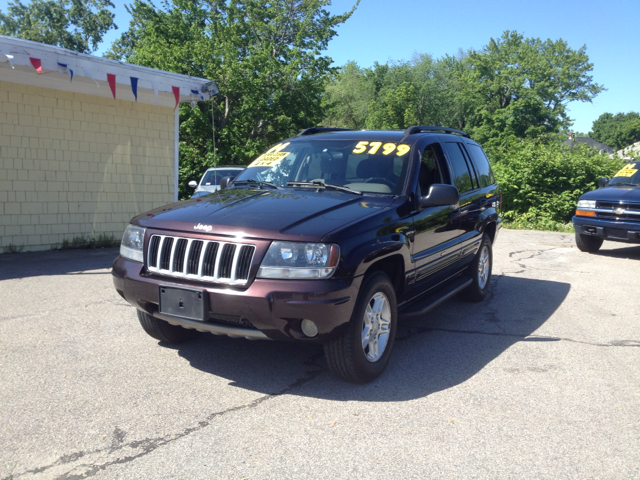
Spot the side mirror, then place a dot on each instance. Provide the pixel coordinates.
(440, 195)
(193, 184)
(225, 181)
(603, 182)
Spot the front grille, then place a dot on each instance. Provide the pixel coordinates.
(630, 211)
(220, 262)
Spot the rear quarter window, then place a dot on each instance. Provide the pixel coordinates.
(462, 178)
(481, 162)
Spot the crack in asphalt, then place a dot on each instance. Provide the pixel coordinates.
(149, 445)
(413, 331)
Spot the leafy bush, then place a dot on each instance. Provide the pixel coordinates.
(542, 179)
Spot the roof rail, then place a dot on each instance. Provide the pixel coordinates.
(412, 130)
(314, 130)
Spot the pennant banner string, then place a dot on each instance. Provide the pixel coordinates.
(134, 87)
(176, 94)
(87, 72)
(36, 64)
(155, 91)
(111, 78)
(9, 58)
(64, 65)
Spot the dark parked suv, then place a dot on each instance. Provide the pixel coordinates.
(610, 213)
(330, 237)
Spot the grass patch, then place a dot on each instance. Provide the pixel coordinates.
(101, 241)
(11, 248)
(544, 226)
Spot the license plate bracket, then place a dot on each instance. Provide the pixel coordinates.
(190, 303)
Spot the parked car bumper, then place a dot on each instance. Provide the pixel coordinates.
(607, 229)
(266, 309)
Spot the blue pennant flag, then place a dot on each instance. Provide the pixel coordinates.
(134, 87)
(64, 65)
(195, 92)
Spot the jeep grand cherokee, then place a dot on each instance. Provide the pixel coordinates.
(331, 236)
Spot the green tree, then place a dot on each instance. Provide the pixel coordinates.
(419, 92)
(617, 131)
(74, 24)
(520, 87)
(265, 57)
(347, 97)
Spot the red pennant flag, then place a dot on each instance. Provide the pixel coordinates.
(36, 64)
(111, 78)
(176, 93)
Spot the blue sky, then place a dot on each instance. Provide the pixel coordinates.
(382, 30)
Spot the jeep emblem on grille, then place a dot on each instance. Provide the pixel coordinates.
(206, 228)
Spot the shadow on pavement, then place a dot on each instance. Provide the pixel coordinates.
(451, 345)
(56, 262)
(631, 253)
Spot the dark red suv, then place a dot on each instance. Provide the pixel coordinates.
(329, 237)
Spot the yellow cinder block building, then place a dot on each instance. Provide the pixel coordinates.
(74, 160)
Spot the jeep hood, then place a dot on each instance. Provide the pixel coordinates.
(614, 194)
(292, 214)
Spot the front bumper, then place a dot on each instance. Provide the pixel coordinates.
(266, 309)
(617, 231)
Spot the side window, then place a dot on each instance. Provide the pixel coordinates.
(432, 168)
(480, 161)
(463, 179)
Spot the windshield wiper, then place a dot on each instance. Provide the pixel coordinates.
(253, 181)
(328, 186)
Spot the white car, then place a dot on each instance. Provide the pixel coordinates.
(210, 181)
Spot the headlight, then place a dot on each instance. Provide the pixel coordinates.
(586, 204)
(132, 243)
(299, 260)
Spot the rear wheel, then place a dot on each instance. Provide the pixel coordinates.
(362, 352)
(164, 331)
(586, 243)
(480, 272)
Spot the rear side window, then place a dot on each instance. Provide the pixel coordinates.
(463, 179)
(480, 161)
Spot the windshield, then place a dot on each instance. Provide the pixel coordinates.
(628, 176)
(213, 177)
(365, 166)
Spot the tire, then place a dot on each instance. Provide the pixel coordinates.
(585, 243)
(164, 331)
(362, 352)
(480, 272)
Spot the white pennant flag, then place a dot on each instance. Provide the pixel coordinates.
(87, 72)
(9, 59)
(155, 91)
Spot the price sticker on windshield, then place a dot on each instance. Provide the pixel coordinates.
(271, 157)
(628, 171)
(373, 148)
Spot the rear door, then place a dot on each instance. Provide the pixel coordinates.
(485, 194)
(472, 196)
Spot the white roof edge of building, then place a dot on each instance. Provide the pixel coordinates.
(91, 72)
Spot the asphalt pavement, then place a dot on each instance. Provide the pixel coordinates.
(541, 380)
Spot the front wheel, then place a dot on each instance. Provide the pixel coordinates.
(362, 352)
(585, 243)
(480, 271)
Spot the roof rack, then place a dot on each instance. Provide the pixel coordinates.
(314, 130)
(431, 128)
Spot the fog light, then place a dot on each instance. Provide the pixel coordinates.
(309, 328)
